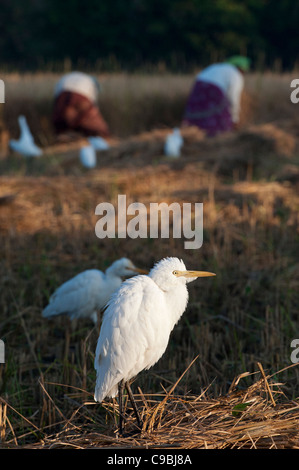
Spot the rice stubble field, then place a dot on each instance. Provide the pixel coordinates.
(226, 379)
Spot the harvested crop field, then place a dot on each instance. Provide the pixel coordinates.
(227, 379)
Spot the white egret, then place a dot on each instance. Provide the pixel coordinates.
(25, 145)
(87, 156)
(88, 292)
(98, 143)
(173, 143)
(136, 326)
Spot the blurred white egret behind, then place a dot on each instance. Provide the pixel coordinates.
(88, 292)
(25, 145)
(173, 143)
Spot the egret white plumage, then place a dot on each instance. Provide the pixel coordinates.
(88, 292)
(25, 145)
(173, 143)
(137, 324)
(87, 156)
(98, 143)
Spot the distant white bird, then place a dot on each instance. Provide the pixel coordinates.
(87, 156)
(173, 143)
(25, 145)
(88, 292)
(136, 326)
(98, 143)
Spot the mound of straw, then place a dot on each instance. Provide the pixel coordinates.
(255, 417)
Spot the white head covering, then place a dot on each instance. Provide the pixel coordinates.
(78, 82)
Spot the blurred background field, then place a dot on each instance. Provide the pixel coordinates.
(248, 182)
(133, 103)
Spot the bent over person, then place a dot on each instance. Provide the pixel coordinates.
(214, 102)
(75, 107)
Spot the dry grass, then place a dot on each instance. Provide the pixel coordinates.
(136, 103)
(253, 418)
(248, 182)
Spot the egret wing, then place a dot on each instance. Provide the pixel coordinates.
(77, 296)
(132, 334)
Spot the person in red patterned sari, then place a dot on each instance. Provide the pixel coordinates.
(75, 107)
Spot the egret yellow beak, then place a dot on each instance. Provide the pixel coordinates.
(140, 271)
(193, 274)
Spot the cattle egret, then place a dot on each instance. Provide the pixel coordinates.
(25, 145)
(87, 156)
(136, 327)
(88, 292)
(173, 144)
(98, 143)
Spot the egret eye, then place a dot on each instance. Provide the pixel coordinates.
(175, 273)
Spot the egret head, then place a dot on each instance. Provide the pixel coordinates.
(170, 272)
(124, 267)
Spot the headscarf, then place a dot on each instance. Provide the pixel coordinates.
(243, 63)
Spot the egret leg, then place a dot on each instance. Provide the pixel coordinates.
(132, 400)
(121, 387)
